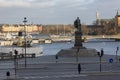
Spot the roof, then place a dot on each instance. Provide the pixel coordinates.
(117, 15)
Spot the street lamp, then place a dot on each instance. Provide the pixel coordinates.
(15, 61)
(25, 39)
(117, 53)
(100, 54)
(77, 54)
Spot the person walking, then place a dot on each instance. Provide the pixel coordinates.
(79, 68)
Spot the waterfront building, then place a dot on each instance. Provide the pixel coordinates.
(95, 29)
(117, 19)
(17, 28)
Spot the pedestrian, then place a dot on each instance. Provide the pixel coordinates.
(79, 68)
(8, 75)
(119, 59)
(56, 57)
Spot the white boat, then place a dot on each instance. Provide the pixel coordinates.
(6, 36)
(6, 42)
(48, 41)
(37, 50)
(54, 36)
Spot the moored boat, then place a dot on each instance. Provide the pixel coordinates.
(48, 41)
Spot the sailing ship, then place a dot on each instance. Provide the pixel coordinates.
(23, 41)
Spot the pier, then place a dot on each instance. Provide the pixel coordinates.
(54, 39)
(101, 37)
(63, 39)
(5, 56)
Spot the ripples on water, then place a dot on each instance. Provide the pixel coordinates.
(54, 48)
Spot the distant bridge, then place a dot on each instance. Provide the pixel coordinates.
(115, 37)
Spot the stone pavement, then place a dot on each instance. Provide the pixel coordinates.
(64, 68)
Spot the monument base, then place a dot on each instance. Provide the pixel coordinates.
(72, 52)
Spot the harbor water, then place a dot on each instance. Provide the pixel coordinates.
(109, 47)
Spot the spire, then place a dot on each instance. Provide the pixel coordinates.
(117, 13)
(97, 15)
(97, 18)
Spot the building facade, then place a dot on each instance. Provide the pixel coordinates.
(17, 28)
(117, 19)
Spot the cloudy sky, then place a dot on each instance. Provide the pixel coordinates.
(56, 11)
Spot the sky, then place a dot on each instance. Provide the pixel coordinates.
(56, 11)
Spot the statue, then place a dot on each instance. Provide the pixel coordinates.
(77, 24)
(78, 33)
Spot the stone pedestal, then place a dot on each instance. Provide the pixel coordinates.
(78, 49)
(72, 52)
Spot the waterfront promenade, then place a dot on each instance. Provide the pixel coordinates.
(64, 68)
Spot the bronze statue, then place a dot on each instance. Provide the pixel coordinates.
(77, 24)
(78, 33)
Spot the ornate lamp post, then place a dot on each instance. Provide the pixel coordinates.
(25, 39)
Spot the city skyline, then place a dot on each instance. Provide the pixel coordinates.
(56, 11)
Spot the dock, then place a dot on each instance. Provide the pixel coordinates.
(7, 52)
(53, 39)
(5, 56)
(37, 40)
